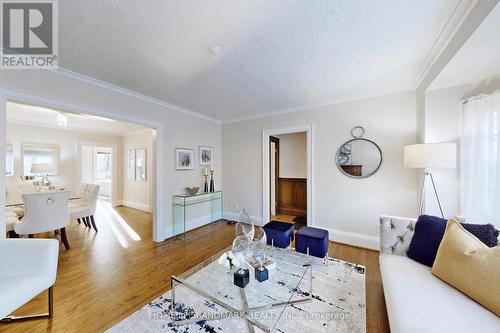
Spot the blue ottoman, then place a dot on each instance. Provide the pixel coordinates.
(313, 238)
(280, 233)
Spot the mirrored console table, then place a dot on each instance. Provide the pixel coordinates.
(182, 203)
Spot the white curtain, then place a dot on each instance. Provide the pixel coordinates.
(480, 159)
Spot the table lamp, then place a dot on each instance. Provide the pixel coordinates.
(428, 156)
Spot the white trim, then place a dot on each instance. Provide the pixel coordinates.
(66, 129)
(350, 238)
(265, 169)
(470, 15)
(131, 93)
(140, 131)
(160, 231)
(455, 21)
(3, 139)
(135, 205)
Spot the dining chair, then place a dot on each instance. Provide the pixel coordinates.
(45, 212)
(85, 211)
(10, 220)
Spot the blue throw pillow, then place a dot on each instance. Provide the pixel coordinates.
(429, 231)
(485, 232)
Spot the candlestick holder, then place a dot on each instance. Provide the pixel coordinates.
(205, 188)
(212, 184)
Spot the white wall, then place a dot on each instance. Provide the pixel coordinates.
(67, 140)
(137, 193)
(293, 155)
(443, 124)
(175, 128)
(348, 207)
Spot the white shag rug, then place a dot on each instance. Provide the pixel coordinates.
(338, 305)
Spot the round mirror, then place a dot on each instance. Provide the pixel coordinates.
(359, 158)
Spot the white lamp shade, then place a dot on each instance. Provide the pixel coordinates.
(431, 155)
(43, 168)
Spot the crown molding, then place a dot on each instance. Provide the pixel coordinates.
(139, 131)
(313, 106)
(450, 29)
(109, 86)
(30, 123)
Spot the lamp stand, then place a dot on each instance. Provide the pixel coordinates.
(428, 174)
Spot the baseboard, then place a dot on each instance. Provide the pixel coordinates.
(232, 216)
(135, 205)
(350, 238)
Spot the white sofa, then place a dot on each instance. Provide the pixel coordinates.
(416, 300)
(27, 267)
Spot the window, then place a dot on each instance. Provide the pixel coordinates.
(46, 155)
(480, 159)
(103, 166)
(9, 160)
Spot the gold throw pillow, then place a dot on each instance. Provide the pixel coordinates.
(466, 263)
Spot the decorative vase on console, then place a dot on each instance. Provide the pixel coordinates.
(212, 182)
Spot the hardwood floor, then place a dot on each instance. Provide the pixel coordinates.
(106, 276)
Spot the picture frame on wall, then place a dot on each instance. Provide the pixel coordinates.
(206, 155)
(140, 164)
(184, 159)
(131, 164)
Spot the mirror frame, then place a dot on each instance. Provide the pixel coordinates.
(56, 147)
(359, 177)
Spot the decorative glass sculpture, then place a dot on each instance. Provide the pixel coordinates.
(243, 243)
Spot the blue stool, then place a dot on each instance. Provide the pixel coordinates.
(278, 233)
(314, 239)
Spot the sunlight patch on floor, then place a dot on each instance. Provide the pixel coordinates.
(120, 228)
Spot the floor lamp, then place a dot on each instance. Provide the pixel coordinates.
(430, 156)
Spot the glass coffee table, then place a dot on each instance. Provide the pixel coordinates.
(260, 304)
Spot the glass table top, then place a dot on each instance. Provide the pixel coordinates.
(262, 304)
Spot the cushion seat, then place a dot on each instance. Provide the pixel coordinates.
(417, 301)
(313, 239)
(19, 290)
(10, 220)
(278, 233)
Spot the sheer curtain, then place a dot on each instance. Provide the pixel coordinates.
(480, 159)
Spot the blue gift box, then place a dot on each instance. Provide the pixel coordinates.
(241, 277)
(261, 274)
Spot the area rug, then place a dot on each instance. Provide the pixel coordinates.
(338, 305)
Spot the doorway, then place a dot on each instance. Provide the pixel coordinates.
(287, 178)
(97, 168)
(288, 168)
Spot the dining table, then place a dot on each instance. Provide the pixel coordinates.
(16, 201)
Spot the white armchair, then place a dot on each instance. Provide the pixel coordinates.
(27, 267)
(86, 209)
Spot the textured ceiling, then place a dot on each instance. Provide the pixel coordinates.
(38, 116)
(479, 57)
(276, 55)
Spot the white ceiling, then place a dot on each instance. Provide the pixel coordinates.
(38, 116)
(479, 57)
(276, 55)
